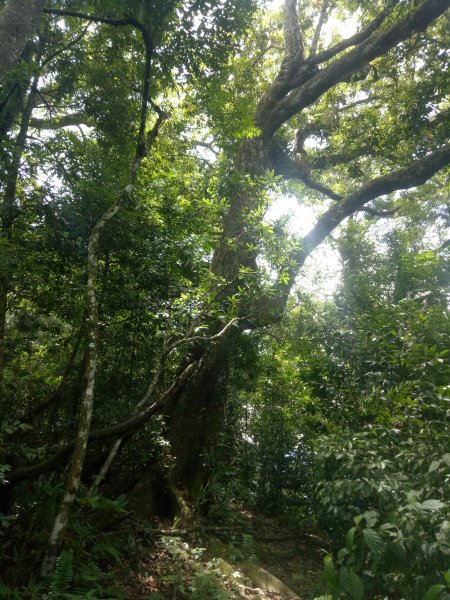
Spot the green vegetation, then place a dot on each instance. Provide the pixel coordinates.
(168, 355)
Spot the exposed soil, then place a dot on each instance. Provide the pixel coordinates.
(258, 559)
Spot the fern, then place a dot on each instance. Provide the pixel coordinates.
(61, 580)
(249, 548)
(90, 573)
(207, 587)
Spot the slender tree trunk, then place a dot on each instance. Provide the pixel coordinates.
(144, 142)
(74, 477)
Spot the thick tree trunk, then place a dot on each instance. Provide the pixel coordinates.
(18, 21)
(196, 417)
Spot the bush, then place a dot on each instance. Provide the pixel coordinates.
(389, 489)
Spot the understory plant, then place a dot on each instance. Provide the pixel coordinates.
(385, 497)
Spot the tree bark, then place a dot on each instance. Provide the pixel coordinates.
(196, 416)
(18, 21)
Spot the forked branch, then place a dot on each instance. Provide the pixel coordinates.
(377, 44)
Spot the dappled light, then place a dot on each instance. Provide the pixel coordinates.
(224, 299)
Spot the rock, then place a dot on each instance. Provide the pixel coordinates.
(224, 567)
(266, 581)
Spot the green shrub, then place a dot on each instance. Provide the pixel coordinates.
(388, 488)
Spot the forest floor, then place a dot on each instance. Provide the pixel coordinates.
(259, 559)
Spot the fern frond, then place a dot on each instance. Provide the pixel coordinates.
(249, 548)
(61, 580)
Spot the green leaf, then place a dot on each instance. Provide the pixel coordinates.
(432, 505)
(434, 465)
(371, 517)
(434, 591)
(357, 590)
(373, 539)
(349, 540)
(345, 581)
(358, 519)
(351, 583)
(329, 572)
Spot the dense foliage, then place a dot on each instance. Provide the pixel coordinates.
(162, 344)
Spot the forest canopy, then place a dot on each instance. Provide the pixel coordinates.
(158, 316)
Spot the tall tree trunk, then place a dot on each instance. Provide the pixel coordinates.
(18, 21)
(197, 416)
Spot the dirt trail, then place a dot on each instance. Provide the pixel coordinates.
(259, 559)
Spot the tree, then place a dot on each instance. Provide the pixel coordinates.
(147, 20)
(328, 95)
(287, 114)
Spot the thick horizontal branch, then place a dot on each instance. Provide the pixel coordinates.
(132, 424)
(416, 174)
(60, 121)
(293, 170)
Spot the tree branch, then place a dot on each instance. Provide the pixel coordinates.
(290, 169)
(293, 43)
(320, 22)
(416, 174)
(106, 20)
(293, 67)
(132, 424)
(69, 45)
(354, 40)
(375, 45)
(375, 212)
(58, 122)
